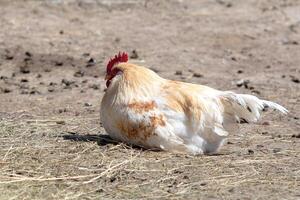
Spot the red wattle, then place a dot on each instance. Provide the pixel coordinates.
(108, 83)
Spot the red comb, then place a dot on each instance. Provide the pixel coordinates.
(121, 57)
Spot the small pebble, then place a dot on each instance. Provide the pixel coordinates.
(3, 77)
(23, 86)
(58, 63)
(255, 91)
(61, 122)
(197, 75)
(250, 151)
(52, 83)
(295, 80)
(178, 73)
(87, 104)
(228, 5)
(6, 90)
(9, 57)
(266, 123)
(27, 53)
(67, 82)
(242, 82)
(289, 42)
(259, 146)
(134, 54)
(27, 59)
(276, 150)
(296, 135)
(79, 74)
(24, 70)
(99, 190)
(23, 80)
(61, 110)
(112, 179)
(67, 87)
(94, 86)
(91, 62)
(185, 177)
(34, 91)
(24, 92)
(243, 121)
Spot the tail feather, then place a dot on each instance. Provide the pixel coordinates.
(225, 111)
(247, 107)
(275, 106)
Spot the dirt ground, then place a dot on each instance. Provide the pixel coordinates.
(52, 64)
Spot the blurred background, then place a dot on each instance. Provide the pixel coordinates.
(53, 56)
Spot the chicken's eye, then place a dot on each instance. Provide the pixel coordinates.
(115, 72)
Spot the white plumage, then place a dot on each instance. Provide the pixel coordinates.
(141, 108)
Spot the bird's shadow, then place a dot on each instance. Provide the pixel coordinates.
(102, 140)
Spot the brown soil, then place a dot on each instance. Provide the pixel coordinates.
(52, 63)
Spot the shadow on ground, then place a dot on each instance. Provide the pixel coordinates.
(101, 140)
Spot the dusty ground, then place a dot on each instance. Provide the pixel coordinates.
(52, 58)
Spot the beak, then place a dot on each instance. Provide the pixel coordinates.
(108, 77)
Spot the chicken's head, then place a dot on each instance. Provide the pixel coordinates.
(111, 71)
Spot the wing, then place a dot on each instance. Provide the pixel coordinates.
(201, 115)
(208, 114)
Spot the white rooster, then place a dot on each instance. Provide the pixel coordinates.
(144, 109)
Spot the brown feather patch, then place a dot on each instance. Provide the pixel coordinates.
(141, 131)
(157, 121)
(140, 107)
(182, 98)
